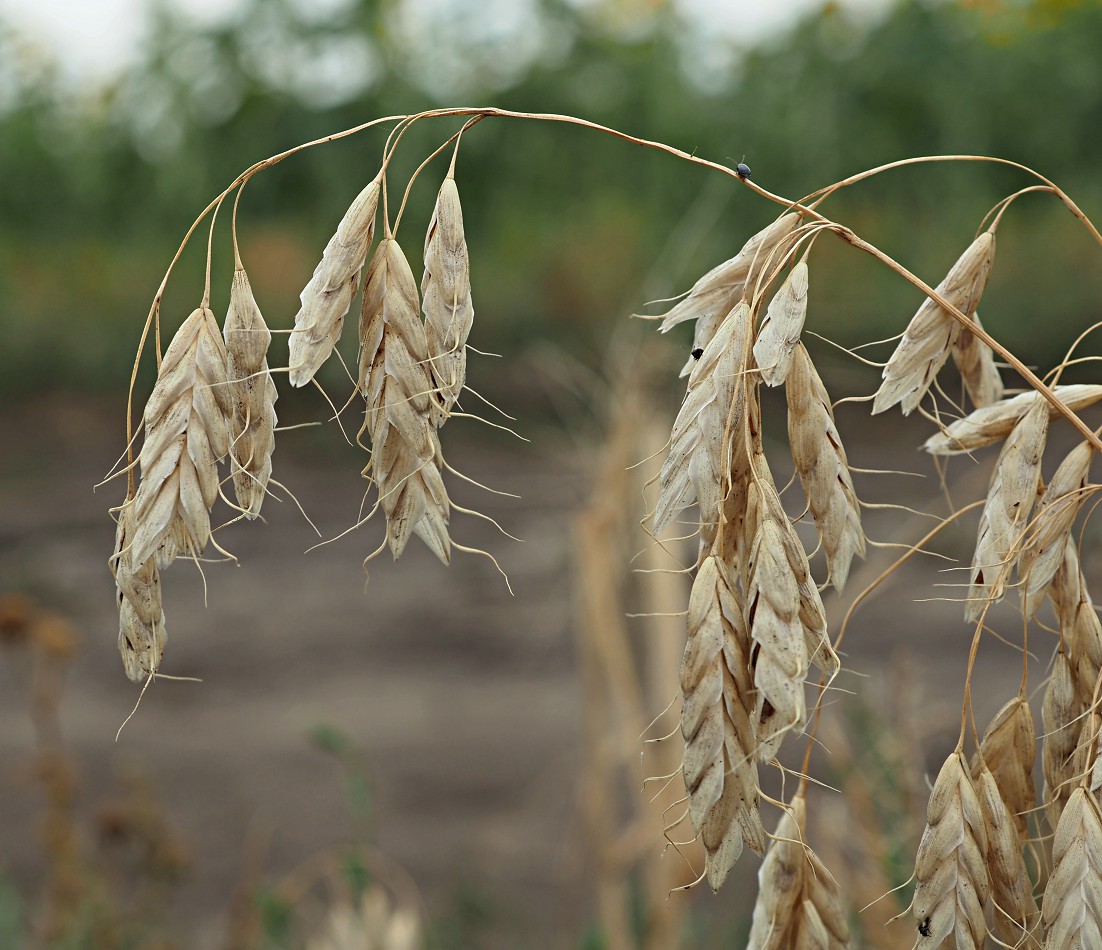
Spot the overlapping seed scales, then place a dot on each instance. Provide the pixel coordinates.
(708, 427)
(328, 295)
(1072, 905)
(993, 423)
(822, 466)
(798, 903)
(976, 362)
(446, 297)
(951, 866)
(252, 395)
(721, 288)
(1014, 908)
(1060, 720)
(933, 332)
(1056, 513)
(185, 436)
(773, 603)
(141, 615)
(1006, 514)
(780, 330)
(720, 773)
(395, 381)
(1008, 750)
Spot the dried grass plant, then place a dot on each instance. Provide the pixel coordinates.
(756, 621)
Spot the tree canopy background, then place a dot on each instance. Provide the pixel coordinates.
(570, 231)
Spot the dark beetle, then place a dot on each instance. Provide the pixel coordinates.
(743, 170)
(697, 353)
(924, 927)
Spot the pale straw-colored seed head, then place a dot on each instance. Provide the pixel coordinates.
(951, 866)
(720, 773)
(142, 632)
(993, 423)
(708, 429)
(976, 362)
(933, 332)
(328, 295)
(1005, 516)
(780, 880)
(446, 296)
(1008, 750)
(252, 395)
(1056, 513)
(822, 466)
(1060, 720)
(394, 378)
(773, 603)
(722, 287)
(1084, 640)
(1072, 906)
(185, 436)
(799, 905)
(1014, 910)
(780, 330)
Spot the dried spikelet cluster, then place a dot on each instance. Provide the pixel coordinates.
(933, 334)
(756, 621)
(215, 398)
(799, 904)
(756, 618)
(951, 868)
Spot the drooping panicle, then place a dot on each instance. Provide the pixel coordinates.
(823, 468)
(185, 436)
(252, 394)
(780, 331)
(933, 331)
(394, 379)
(446, 297)
(328, 295)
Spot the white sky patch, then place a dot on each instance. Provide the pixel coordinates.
(96, 39)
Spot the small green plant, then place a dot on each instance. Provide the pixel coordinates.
(756, 621)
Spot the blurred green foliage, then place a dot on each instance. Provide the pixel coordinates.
(569, 230)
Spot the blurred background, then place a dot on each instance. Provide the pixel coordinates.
(429, 756)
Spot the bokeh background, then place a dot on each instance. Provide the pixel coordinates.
(430, 740)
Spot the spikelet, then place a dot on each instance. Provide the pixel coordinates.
(1056, 512)
(780, 330)
(932, 332)
(798, 905)
(446, 297)
(252, 394)
(780, 656)
(1015, 910)
(821, 463)
(394, 378)
(328, 295)
(1060, 719)
(1006, 513)
(141, 616)
(993, 423)
(185, 435)
(720, 774)
(722, 287)
(710, 420)
(976, 362)
(951, 866)
(1072, 906)
(1008, 750)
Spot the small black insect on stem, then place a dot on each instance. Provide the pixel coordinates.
(697, 353)
(924, 927)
